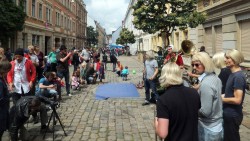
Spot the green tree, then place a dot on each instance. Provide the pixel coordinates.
(126, 37)
(92, 36)
(164, 16)
(12, 18)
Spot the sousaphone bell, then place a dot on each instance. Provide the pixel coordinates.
(187, 47)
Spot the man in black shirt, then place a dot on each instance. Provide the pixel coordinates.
(63, 67)
(113, 59)
(104, 60)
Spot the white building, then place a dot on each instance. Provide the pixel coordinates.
(116, 34)
(143, 40)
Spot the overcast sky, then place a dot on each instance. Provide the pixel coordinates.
(109, 13)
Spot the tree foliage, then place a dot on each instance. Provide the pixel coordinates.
(12, 18)
(92, 36)
(126, 37)
(165, 15)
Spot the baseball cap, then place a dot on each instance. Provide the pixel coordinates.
(170, 46)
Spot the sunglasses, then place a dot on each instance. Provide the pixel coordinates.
(196, 65)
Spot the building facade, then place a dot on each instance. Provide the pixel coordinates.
(116, 35)
(52, 23)
(227, 26)
(144, 41)
(109, 39)
(102, 36)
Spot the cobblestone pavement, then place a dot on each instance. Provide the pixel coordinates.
(120, 119)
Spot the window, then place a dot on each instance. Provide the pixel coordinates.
(48, 15)
(25, 6)
(65, 22)
(74, 26)
(62, 20)
(206, 3)
(40, 11)
(35, 39)
(33, 8)
(68, 24)
(216, 1)
(57, 19)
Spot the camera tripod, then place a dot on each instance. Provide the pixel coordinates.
(55, 116)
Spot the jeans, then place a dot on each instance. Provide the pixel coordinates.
(114, 66)
(124, 76)
(231, 128)
(150, 84)
(105, 64)
(65, 74)
(48, 93)
(206, 134)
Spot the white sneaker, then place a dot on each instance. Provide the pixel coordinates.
(70, 94)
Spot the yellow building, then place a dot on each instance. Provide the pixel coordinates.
(227, 26)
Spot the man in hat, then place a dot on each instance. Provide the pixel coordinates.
(63, 67)
(173, 57)
(22, 76)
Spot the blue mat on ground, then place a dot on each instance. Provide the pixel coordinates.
(116, 90)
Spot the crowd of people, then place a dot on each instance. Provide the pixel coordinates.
(210, 110)
(34, 81)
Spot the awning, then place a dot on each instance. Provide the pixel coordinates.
(112, 46)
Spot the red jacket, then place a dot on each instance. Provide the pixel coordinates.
(30, 71)
(179, 60)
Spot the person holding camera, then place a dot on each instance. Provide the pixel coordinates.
(47, 87)
(91, 74)
(21, 112)
(63, 66)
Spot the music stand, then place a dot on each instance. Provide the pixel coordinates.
(54, 115)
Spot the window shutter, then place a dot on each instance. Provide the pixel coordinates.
(218, 39)
(245, 39)
(208, 40)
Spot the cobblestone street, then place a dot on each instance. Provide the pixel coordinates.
(121, 119)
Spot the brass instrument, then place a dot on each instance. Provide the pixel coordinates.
(188, 49)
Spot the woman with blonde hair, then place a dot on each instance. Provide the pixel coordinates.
(32, 55)
(177, 109)
(210, 126)
(219, 62)
(234, 96)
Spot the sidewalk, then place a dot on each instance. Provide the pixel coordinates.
(87, 119)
